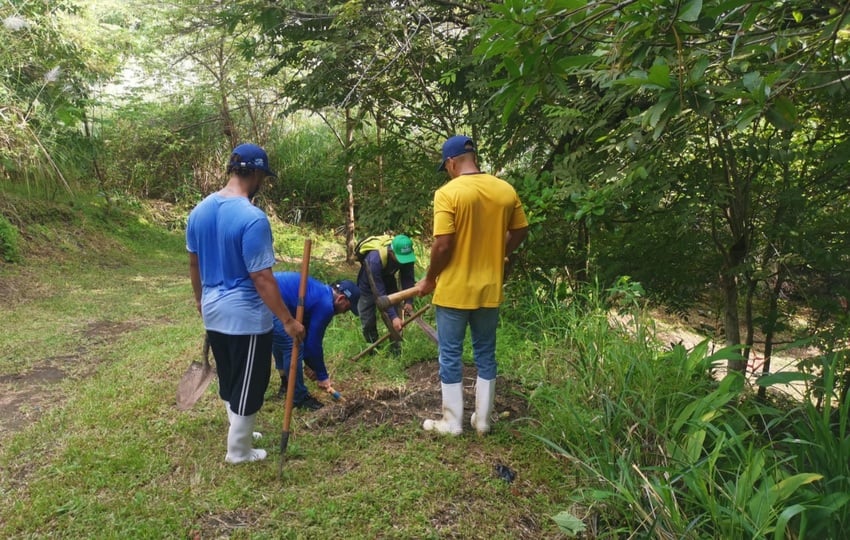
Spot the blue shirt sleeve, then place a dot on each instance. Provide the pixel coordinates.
(321, 313)
(408, 279)
(257, 245)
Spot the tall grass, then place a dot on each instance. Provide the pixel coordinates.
(664, 449)
(818, 439)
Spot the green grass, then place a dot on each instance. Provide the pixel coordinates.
(603, 428)
(105, 454)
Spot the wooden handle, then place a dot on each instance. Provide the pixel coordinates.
(383, 302)
(299, 316)
(383, 338)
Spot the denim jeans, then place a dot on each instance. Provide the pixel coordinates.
(282, 352)
(451, 332)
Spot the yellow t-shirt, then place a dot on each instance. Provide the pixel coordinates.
(479, 209)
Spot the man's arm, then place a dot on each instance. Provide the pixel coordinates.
(314, 352)
(514, 238)
(441, 254)
(269, 291)
(195, 277)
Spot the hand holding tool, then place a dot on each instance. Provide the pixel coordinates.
(385, 337)
(396, 336)
(385, 301)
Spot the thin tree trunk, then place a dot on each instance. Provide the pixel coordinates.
(349, 179)
(228, 128)
(770, 327)
(378, 125)
(731, 322)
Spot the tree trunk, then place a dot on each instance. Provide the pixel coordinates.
(729, 285)
(349, 179)
(378, 126)
(770, 326)
(228, 128)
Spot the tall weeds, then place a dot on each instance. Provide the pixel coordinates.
(667, 450)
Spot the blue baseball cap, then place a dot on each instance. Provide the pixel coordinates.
(351, 291)
(250, 156)
(455, 146)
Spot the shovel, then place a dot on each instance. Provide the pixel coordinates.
(195, 380)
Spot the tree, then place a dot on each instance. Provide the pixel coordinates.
(703, 90)
(52, 59)
(397, 62)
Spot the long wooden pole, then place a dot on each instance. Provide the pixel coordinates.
(293, 360)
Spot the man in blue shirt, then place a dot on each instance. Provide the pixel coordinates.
(321, 303)
(229, 241)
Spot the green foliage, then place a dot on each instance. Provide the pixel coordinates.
(818, 440)
(309, 162)
(162, 151)
(663, 449)
(683, 150)
(10, 241)
(53, 56)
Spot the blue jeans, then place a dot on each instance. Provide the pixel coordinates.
(451, 332)
(282, 352)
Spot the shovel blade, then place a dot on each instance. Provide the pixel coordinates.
(193, 384)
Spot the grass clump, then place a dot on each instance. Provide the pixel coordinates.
(665, 444)
(10, 241)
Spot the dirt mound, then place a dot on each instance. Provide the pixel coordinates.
(419, 398)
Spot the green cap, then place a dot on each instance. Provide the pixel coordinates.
(403, 248)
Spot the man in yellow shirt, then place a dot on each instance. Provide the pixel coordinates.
(478, 222)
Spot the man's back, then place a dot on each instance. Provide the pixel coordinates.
(231, 238)
(478, 209)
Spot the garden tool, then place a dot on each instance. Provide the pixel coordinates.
(195, 381)
(386, 336)
(385, 301)
(293, 361)
(395, 335)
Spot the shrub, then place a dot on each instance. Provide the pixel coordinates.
(10, 241)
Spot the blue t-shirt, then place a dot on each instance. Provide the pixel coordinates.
(318, 313)
(231, 238)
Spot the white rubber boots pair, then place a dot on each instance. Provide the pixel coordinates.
(452, 421)
(240, 438)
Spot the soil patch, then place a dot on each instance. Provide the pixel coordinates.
(419, 398)
(25, 396)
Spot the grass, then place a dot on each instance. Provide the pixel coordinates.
(604, 429)
(101, 452)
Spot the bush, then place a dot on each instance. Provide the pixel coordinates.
(10, 240)
(663, 448)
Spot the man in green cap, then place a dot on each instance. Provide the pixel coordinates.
(384, 267)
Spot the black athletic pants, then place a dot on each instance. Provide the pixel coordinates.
(243, 364)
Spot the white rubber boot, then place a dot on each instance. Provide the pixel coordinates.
(230, 414)
(239, 440)
(452, 421)
(485, 394)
